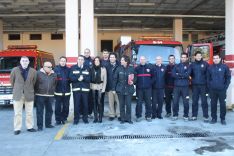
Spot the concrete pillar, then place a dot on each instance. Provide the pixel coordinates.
(72, 30)
(178, 29)
(1, 34)
(229, 48)
(96, 36)
(87, 26)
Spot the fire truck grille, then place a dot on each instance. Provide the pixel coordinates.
(5, 90)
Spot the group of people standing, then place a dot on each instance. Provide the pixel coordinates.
(91, 80)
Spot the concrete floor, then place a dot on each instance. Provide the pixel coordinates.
(170, 138)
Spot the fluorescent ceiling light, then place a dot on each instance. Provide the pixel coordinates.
(131, 21)
(141, 4)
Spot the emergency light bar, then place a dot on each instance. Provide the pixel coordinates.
(22, 47)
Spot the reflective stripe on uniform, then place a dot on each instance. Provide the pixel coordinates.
(75, 89)
(84, 89)
(80, 89)
(76, 72)
(85, 72)
(61, 94)
(45, 95)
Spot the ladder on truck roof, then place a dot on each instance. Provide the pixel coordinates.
(216, 40)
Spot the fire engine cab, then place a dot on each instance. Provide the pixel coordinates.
(10, 58)
(208, 47)
(151, 48)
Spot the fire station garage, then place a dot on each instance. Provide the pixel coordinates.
(68, 27)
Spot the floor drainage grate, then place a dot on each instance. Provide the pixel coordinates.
(160, 136)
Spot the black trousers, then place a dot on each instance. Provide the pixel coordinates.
(44, 102)
(125, 107)
(184, 93)
(216, 95)
(61, 107)
(80, 99)
(199, 91)
(157, 102)
(98, 104)
(144, 95)
(168, 99)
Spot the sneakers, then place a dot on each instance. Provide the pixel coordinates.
(159, 117)
(31, 130)
(148, 119)
(206, 120)
(193, 118)
(49, 126)
(130, 122)
(186, 118)
(17, 132)
(174, 118)
(168, 115)
(138, 119)
(111, 118)
(223, 122)
(213, 121)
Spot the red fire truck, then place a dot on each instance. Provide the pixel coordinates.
(208, 47)
(10, 58)
(151, 49)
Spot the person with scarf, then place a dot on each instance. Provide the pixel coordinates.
(98, 87)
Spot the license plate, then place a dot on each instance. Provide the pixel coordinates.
(6, 97)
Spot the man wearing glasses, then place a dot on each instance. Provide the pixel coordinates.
(45, 87)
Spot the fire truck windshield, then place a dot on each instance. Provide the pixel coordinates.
(152, 51)
(7, 63)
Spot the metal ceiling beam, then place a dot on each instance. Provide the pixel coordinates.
(111, 29)
(116, 15)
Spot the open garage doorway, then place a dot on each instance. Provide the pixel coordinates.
(107, 44)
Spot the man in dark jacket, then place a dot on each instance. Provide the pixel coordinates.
(158, 82)
(62, 91)
(169, 84)
(181, 73)
(198, 74)
(218, 80)
(80, 78)
(110, 88)
(105, 58)
(143, 89)
(88, 61)
(45, 87)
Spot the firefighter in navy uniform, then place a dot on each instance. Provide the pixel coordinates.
(143, 89)
(199, 87)
(218, 80)
(158, 82)
(88, 62)
(62, 91)
(181, 73)
(80, 78)
(169, 85)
